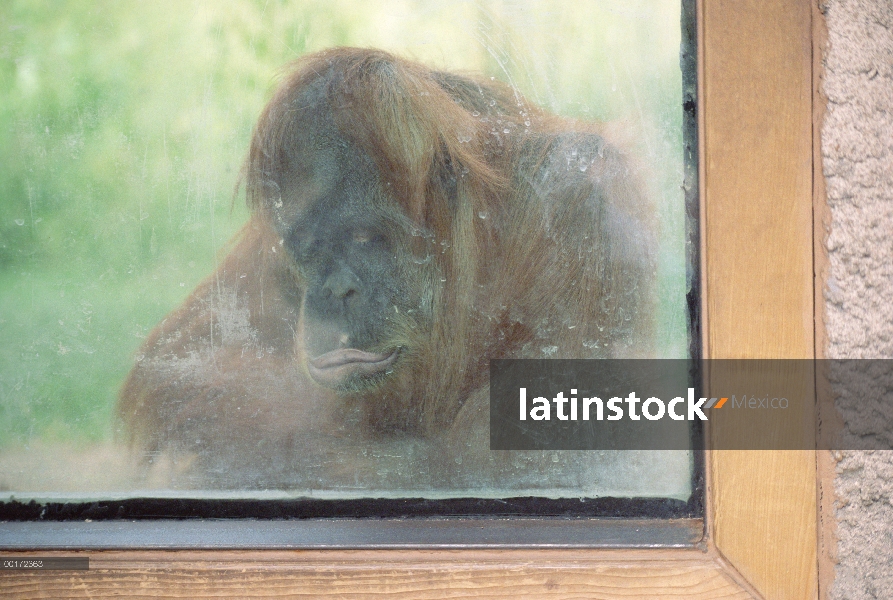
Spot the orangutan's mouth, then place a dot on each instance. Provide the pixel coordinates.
(333, 367)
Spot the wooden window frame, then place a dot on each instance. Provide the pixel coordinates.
(759, 180)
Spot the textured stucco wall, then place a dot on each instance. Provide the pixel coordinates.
(857, 150)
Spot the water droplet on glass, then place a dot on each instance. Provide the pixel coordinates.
(527, 123)
(555, 458)
(475, 114)
(483, 214)
(492, 102)
(583, 167)
(20, 222)
(506, 130)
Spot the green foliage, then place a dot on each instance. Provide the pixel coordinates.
(123, 126)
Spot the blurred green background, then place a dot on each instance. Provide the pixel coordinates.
(123, 125)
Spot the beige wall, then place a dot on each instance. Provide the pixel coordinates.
(857, 152)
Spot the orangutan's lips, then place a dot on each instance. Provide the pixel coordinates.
(332, 367)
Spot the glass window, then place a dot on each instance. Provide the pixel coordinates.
(256, 246)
